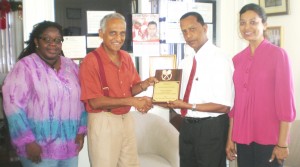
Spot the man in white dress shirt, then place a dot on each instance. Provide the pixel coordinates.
(208, 76)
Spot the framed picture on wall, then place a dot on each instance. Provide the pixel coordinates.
(161, 62)
(274, 7)
(274, 35)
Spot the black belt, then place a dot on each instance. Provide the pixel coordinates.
(196, 120)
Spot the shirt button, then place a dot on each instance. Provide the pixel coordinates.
(123, 94)
(121, 82)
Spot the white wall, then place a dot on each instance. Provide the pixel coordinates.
(291, 38)
(227, 25)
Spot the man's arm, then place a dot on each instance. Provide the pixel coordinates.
(230, 145)
(205, 107)
(211, 107)
(142, 86)
(142, 104)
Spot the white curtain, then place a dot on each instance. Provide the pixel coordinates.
(12, 38)
(11, 41)
(36, 11)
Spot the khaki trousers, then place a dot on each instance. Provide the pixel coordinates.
(111, 140)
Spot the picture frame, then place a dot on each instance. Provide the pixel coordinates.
(275, 35)
(73, 13)
(275, 7)
(161, 62)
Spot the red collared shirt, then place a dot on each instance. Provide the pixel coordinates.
(120, 79)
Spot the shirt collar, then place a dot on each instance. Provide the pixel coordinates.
(205, 49)
(105, 58)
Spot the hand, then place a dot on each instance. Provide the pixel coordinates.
(280, 154)
(230, 150)
(79, 141)
(34, 151)
(177, 104)
(151, 81)
(143, 104)
(164, 105)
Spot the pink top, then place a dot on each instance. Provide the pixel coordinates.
(264, 94)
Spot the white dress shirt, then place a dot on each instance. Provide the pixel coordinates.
(213, 82)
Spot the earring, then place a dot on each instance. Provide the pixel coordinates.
(37, 46)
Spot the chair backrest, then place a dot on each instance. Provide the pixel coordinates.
(156, 136)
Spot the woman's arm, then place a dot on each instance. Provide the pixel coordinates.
(281, 150)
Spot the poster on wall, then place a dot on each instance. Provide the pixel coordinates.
(93, 41)
(145, 34)
(205, 9)
(179, 6)
(172, 32)
(93, 20)
(74, 46)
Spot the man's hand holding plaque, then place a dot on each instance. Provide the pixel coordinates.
(168, 87)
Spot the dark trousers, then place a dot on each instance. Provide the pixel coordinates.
(202, 142)
(255, 155)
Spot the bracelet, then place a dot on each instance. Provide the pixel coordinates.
(280, 146)
(194, 106)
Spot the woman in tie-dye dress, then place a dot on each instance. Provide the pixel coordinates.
(47, 121)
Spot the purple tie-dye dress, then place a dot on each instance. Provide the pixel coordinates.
(43, 105)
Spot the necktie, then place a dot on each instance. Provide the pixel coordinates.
(189, 87)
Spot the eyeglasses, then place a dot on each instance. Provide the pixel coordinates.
(48, 40)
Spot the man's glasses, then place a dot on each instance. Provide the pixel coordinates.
(48, 40)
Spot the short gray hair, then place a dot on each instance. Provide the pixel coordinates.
(108, 17)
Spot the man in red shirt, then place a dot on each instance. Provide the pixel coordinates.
(111, 136)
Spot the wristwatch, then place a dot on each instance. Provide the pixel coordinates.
(194, 107)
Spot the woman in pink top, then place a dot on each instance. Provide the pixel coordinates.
(264, 103)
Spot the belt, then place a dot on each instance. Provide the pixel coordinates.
(196, 120)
